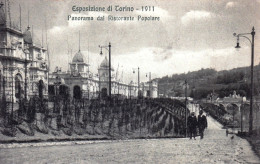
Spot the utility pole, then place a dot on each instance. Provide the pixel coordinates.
(109, 50)
(252, 41)
(252, 83)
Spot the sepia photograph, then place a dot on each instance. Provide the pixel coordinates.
(130, 81)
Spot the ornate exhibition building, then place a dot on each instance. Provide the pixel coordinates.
(23, 62)
(24, 70)
(80, 83)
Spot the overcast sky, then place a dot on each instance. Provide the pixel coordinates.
(191, 34)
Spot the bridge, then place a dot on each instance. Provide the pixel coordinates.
(233, 111)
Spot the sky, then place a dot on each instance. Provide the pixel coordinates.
(191, 34)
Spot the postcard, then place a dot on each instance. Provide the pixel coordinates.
(129, 81)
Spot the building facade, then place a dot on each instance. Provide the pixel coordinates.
(23, 64)
(80, 83)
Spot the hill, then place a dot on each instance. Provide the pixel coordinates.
(203, 82)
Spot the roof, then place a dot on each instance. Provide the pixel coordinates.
(104, 63)
(78, 57)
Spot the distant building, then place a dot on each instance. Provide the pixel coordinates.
(80, 83)
(150, 89)
(77, 82)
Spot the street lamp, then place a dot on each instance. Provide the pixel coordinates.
(109, 67)
(252, 72)
(138, 79)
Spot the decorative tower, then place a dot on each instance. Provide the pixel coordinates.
(78, 66)
(103, 72)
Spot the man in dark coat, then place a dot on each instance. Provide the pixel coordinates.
(192, 125)
(202, 123)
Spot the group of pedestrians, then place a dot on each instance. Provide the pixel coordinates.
(193, 124)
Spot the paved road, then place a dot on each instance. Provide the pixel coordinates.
(215, 148)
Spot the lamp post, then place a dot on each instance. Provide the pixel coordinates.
(138, 79)
(109, 67)
(252, 72)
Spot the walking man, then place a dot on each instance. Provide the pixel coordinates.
(192, 125)
(202, 123)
